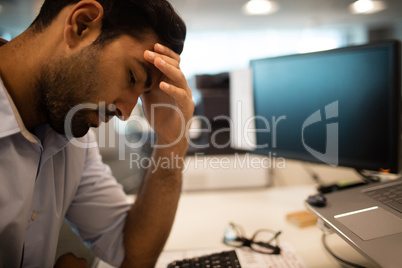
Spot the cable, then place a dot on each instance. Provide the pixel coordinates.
(312, 174)
(324, 242)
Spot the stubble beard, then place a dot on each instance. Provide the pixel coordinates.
(65, 83)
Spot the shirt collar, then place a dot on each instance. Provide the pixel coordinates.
(10, 124)
(12, 121)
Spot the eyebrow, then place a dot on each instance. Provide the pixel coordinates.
(148, 80)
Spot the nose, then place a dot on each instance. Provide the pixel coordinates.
(125, 107)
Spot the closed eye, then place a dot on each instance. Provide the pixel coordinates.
(132, 79)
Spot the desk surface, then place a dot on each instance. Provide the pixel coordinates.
(202, 217)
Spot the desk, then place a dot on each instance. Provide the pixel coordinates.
(202, 217)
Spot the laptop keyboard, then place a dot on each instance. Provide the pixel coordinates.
(390, 195)
(225, 259)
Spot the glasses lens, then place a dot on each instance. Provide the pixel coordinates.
(265, 241)
(233, 236)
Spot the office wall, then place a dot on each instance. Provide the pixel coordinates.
(209, 52)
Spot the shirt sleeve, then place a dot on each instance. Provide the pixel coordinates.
(99, 209)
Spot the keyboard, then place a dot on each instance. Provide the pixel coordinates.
(224, 259)
(390, 195)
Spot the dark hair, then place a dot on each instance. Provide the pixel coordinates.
(132, 17)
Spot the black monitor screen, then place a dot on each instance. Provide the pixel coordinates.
(340, 107)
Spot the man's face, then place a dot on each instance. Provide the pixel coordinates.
(96, 82)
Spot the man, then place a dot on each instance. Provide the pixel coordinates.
(89, 53)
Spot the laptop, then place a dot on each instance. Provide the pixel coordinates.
(369, 218)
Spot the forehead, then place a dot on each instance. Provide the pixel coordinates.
(147, 41)
(132, 50)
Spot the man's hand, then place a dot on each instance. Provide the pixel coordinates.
(169, 109)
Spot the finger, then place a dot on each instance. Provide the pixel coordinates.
(178, 94)
(171, 73)
(166, 51)
(151, 56)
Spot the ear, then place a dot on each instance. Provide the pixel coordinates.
(83, 23)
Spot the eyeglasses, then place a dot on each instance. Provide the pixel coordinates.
(263, 241)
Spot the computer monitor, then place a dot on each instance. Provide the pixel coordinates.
(341, 107)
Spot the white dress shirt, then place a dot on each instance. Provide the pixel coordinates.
(44, 178)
